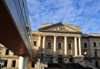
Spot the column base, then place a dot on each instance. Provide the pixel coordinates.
(66, 59)
(55, 58)
(78, 58)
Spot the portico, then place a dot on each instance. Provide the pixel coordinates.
(76, 48)
(60, 41)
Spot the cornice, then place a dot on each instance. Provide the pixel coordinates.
(60, 31)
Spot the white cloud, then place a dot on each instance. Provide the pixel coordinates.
(83, 13)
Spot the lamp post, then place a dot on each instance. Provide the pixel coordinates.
(42, 55)
(85, 54)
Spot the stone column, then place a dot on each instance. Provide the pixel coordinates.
(55, 44)
(66, 58)
(79, 40)
(65, 45)
(75, 43)
(44, 43)
(79, 57)
(55, 57)
(39, 46)
(23, 62)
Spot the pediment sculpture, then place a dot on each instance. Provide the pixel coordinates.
(61, 28)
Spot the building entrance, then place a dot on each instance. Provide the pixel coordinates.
(70, 58)
(59, 58)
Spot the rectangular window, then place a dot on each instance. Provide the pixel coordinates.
(49, 45)
(14, 63)
(33, 64)
(59, 45)
(85, 45)
(7, 51)
(94, 44)
(95, 53)
(69, 45)
(5, 63)
(34, 43)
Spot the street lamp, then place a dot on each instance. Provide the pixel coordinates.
(42, 55)
(85, 54)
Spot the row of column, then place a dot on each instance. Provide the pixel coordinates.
(79, 41)
(65, 45)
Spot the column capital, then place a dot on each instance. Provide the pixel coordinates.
(75, 37)
(55, 36)
(44, 35)
(65, 36)
(40, 35)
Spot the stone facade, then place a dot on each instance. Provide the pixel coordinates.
(10, 57)
(61, 43)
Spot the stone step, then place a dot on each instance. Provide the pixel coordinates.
(66, 66)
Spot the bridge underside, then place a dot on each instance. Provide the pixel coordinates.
(9, 35)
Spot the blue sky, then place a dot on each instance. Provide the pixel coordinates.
(83, 13)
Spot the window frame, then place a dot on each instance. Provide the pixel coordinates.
(14, 65)
(58, 45)
(94, 44)
(5, 65)
(70, 46)
(85, 44)
(7, 51)
(35, 43)
(48, 45)
(95, 53)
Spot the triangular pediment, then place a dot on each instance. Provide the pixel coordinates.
(60, 27)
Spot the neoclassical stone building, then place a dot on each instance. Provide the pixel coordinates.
(59, 43)
(65, 43)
